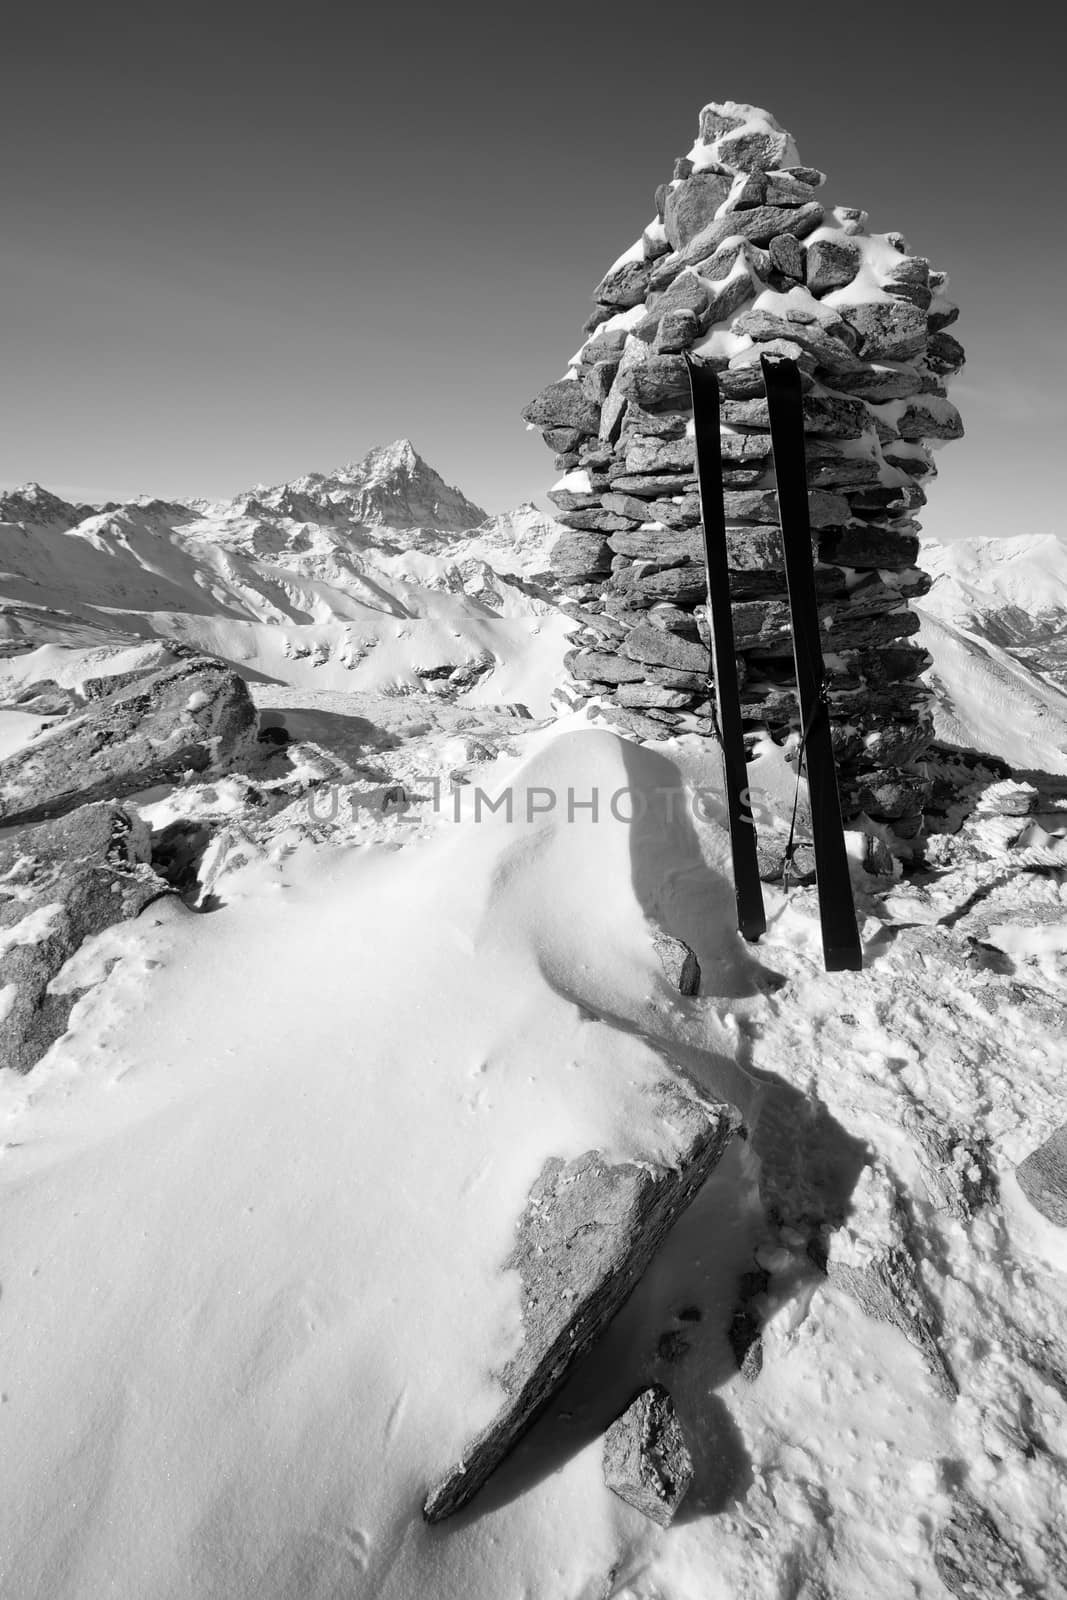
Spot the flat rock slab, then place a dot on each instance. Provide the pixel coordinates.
(587, 1233)
(646, 1459)
(195, 715)
(1043, 1177)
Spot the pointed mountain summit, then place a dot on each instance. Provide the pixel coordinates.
(35, 507)
(391, 487)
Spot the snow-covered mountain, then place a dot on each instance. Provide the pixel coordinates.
(1010, 591)
(375, 577)
(995, 623)
(392, 487)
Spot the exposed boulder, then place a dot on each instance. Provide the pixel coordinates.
(588, 1232)
(1043, 1177)
(646, 1459)
(692, 204)
(972, 1557)
(196, 715)
(65, 880)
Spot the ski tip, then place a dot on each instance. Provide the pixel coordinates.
(752, 929)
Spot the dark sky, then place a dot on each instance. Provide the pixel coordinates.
(243, 242)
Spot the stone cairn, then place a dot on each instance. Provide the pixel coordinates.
(743, 258)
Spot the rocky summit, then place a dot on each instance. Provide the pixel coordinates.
(391, 487)
(743, 258)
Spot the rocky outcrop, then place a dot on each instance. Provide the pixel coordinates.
(974, 1559)
(60, 883)
(196, 715)
(1043, 1177)
(646, 1459)
(744, 258)
(589, 1229)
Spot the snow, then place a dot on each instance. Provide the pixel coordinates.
(257, 1197)
(33, 927)
(17, 728)
(752, 119)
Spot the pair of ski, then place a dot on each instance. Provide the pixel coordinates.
(837, 915)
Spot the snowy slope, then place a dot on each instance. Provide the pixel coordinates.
(254, 1203)
(986, 699)
(1011, 591)
(995, 623)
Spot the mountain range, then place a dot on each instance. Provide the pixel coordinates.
(381, 576)
(376, 576)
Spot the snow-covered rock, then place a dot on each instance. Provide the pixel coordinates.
(194, 716)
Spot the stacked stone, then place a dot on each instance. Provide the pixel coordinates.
(744, 259)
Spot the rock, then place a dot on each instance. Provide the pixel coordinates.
(195, 715)
(588, 1232)
(683, 585)
(571, 499)
(717, 118)
(869, 547)
(830, 264)
(1043, 1177)
(889, 1289)
(828, 350)
(648, 696)
(880, 383)
(788, 188)
(680, 965)
(564, 440)
(646, 1460)
(595, 521)
(942, 314)
(677, 331)
(829, 415)
(957, 1164)
(889, 330)
(654, 647)
(692, 204)
(659, 455)
(664, 548)
(759, 225)
(635, 723)
(651, 485)
(932, 418)
(578, 557)
(944, 354)
(972, 1557)
(659, 380)
(563, 405)
(687, 292)
(910, 280)
(594, 666)
(890, 794)
(743, 448)
(624, 286)
(787, 256)
(66, 880)
(753, 152)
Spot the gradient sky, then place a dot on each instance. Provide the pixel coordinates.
(244, 242)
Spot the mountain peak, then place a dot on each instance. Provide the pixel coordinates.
(392, 486)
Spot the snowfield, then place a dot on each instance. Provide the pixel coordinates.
(254, 1202)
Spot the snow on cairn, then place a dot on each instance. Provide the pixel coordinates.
(743, 258)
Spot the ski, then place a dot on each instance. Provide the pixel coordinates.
(837, 912)
(748, 892)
